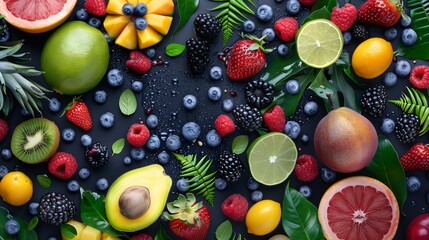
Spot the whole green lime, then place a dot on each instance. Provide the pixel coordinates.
(75, 58)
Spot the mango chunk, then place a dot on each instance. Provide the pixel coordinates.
(159, 23)
(128, 37)
(115, 6)
(79, 228)
(115, 24)
(161, 7)
(90, 233)
(148, 37)
(106, 236)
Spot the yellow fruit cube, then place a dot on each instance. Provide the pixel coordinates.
(79, 228)
(115, 24)
(115, 6)
(161, 7)
(90, 233)
(159, 23)
(106, 236)
(148, 37)
(128, 37)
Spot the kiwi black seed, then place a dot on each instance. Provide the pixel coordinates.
(35, 140)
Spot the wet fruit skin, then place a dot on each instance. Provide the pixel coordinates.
(418, 229)
(13, 181)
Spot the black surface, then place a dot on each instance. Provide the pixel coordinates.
(165, 97)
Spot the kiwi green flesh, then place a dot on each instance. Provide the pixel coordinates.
(35, 140)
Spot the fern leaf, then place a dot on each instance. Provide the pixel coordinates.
(197, 172)
(417, 104)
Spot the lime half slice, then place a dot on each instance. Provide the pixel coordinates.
(319, 43)
(272, 158)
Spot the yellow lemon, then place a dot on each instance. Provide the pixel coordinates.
(372, 57)
(12, 182)
(263, 217)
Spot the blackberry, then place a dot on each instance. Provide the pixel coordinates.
(359, 32)
(248, 118)
(197, 55)
(230, 167)
(207, 27)
(407, 127)
(97, 155)
(373, 101)
(259, 93)
(55, 208)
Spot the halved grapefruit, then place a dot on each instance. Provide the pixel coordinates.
(359, 208)
(36, 16)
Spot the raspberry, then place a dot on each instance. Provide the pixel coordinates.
(63, 165)
(138, 134)
(95, 7)
(286, 28)
(275, 119)
(306, 168)
(419, 77)
(224, 125)
(235, 207)
(138, 62)
(141, 236)
(307, 2)
(4, 129)
(344, 17)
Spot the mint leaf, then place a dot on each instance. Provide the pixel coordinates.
(33, 223)
(118, 146)
(174, 49)
(239, 144)
(127, 102)
(224, 231)
(43, 180)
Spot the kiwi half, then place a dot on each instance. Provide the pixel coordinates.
(35, 140)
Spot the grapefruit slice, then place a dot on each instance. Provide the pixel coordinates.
(36, 16)
(359, 208)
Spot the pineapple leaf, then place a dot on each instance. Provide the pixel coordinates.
(200, 181)
(415, 103)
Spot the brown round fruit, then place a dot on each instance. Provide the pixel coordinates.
(134, 202)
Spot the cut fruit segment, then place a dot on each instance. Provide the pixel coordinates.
(359, 208)
(148, 37)
(159, 23)
(116, 24)
(128, 37)
(161, 7)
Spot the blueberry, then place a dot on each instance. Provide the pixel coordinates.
(214, 94)
(249, 26)
(182, 185)
(86, 140)
(191, 131)
(100, 96)
(304, 138)
(305, 190)
(6, 154)
(153, 143)
(127, 161)
(3, 171)
(68, 134)
(216, 73)
(328, 175)
(390, 33)
(292, 87)
(256, 196)
(402, 68)
(4, 35)
(82, 14)
(387, 126)
(54, 105)
(213, 139)
(270, 34)
(137, 86)
(163, 157)
(107, 120)
(252, 184)
(12, 227)
(413, 184)
(283, 50)
(84, 173)
(108, 38)
(189, 102)
(405, 22)
(220, 184)
(140, 23)
(137, 153)
(311, 108)
(173, 142)
(390, 79)
(33, 208)
(52, 238)
(293, 7)
(409, 37)
(115, 78)
(292, 129)
(127, 9)
(347, 36)
(73, 186)
(150, 52)
(264, 13)
(94, 22)
(102, 184)
(140, 10)
(228, 105)
(152, 121)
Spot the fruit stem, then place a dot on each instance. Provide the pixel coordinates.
(329, 96)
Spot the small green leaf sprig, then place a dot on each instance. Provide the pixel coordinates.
(224, 232)
(128, 102)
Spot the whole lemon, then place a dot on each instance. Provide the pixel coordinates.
(75, 58)
(263, 217)
(16, 188)
(372, 57)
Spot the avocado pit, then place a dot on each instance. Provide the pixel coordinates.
(134, 202)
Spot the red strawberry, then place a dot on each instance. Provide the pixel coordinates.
(189, 220)
(246, 59)
(4, 129)
(138, 62)
(286, 28)
(275, 119)
(78, 113)
(224, 125)
(235, 207)
(344, 17)
(62, 165)
(307, 2)
(416, 158)
(95, 7)
(138, 134)
(419, 77)
(141, 236)
(306, 168)
(383, 13)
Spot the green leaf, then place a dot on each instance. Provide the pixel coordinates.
(186, 9)
(299, 217)
(4, 217)
(33, 223)
(350, 99)
(24, 232)
(329, 4)
(386, 167)
(43, 180)
(239, 144)
(68, 231)
(118, 146)
(161, 234)
(320, 13)
(224, 231)
(174, 49)
(127, 102)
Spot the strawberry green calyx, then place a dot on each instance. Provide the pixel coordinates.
(185, 209)
(259, 43)
(75, 99)
(400, 8)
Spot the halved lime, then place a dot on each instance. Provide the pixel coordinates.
(319, 43)
(272, 158)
